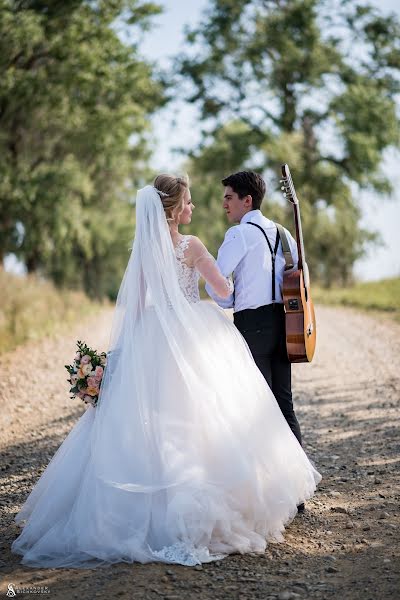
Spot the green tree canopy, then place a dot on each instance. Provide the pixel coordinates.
(307, 82)
(75, 103)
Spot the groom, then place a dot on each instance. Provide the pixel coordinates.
(257, 299)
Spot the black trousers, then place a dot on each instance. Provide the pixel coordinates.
(264, 331)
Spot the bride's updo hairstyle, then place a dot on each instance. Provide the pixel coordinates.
(174, 189)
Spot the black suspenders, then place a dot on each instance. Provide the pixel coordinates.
(273, 254)
(280, 235)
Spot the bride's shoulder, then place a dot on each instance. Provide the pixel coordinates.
(195, 249)
(195, 242)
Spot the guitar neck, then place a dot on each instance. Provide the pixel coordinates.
(290, 193)
(299, 235)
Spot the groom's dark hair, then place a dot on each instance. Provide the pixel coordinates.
(247, 183)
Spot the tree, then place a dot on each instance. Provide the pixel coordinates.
(75, 103)
(311, 84)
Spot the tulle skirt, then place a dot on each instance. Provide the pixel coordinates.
(178, 463)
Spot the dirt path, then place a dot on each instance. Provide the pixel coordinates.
(345, 546)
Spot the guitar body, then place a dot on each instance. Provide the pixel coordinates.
(301, 331)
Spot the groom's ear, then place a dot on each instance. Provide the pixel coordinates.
(248, 201)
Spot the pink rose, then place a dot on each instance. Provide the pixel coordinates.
(92, 382)
(98, 372)
(85, 359)
(78, 356)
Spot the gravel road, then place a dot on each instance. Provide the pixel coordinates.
(346, 545)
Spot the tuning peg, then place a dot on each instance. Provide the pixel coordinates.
(283, 188)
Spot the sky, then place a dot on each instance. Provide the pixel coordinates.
(379, 214)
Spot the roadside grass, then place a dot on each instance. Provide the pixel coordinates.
(380, 296)
(32, 308)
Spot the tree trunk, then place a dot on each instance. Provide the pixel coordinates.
(32, 263)
(288, 117)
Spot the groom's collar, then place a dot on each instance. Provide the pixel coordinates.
(250, 215)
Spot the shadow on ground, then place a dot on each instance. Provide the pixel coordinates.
(344, 546)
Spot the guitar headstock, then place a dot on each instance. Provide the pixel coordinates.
(288, 188)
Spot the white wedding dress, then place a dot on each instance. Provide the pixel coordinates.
(184, 460)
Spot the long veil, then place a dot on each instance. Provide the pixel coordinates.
(158, 369)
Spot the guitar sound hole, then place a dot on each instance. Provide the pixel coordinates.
(293, 304)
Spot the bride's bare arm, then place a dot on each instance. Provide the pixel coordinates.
(199, 257)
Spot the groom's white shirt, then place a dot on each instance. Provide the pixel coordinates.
(245, 253)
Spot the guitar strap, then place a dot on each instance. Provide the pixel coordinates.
(280, 235)
(289, 263)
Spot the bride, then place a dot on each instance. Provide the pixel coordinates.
(187, 457)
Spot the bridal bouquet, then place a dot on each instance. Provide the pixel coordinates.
(86, 373)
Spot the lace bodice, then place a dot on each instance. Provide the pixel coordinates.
(188, 277)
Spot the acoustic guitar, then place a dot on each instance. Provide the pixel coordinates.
(301, 328)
